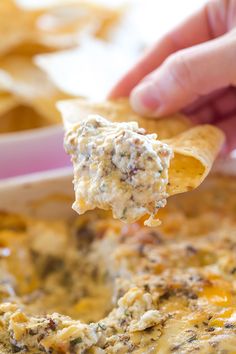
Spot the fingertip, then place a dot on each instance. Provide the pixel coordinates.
(117, 91)
(144, 101)
(125, 85)
(113, 94)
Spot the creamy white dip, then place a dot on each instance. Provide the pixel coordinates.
(118, 166)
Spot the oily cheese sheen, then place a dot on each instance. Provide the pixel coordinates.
(95, 285)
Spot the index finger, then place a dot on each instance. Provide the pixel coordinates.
(195, 30)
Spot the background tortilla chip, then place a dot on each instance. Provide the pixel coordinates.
(7, 102)
(27, 96)
(195, 148)
(21, 117)
(28, 32)
(20, 76)
(78, 15)
(16, 25)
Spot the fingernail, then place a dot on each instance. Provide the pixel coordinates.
(144, 100)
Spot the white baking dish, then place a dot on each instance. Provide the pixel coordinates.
(44, 194)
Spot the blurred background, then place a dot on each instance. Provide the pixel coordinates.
(52, 50)
(94, 67)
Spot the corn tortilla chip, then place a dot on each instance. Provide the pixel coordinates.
(75, 16)
(195, 148)
(120, 111)
(7, 102)
(28, 32)
(195, 151)
(31, 48)
(46, 106)
(21, 117)
(29, 86)
(16, 25)
(21, 77)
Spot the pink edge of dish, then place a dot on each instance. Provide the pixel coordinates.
(32, 151)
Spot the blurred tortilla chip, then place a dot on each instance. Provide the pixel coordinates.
(28, 32)
(21, 77)
(7, 102)
(121, 111)
(78, 15)
(46, 106)
(31, 48)
(16, 25)
(27, 96)
(195, 148)
(21, 117)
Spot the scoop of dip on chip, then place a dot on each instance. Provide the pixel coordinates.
(118, 166)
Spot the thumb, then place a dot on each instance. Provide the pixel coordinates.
(187, 75)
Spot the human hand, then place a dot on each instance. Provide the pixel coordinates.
(192, 69)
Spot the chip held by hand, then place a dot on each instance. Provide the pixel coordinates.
(119, 167)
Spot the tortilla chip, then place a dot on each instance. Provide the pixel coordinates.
(31, 48)
(7, 102)
(30, 86)
(28, 32)
(195, 148)
(21, 77)
(16, 25)
(46, 106)
(195, 151)
(21, 117)
(70, 17)
(120, 111)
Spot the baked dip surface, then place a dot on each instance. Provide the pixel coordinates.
(95, 285)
